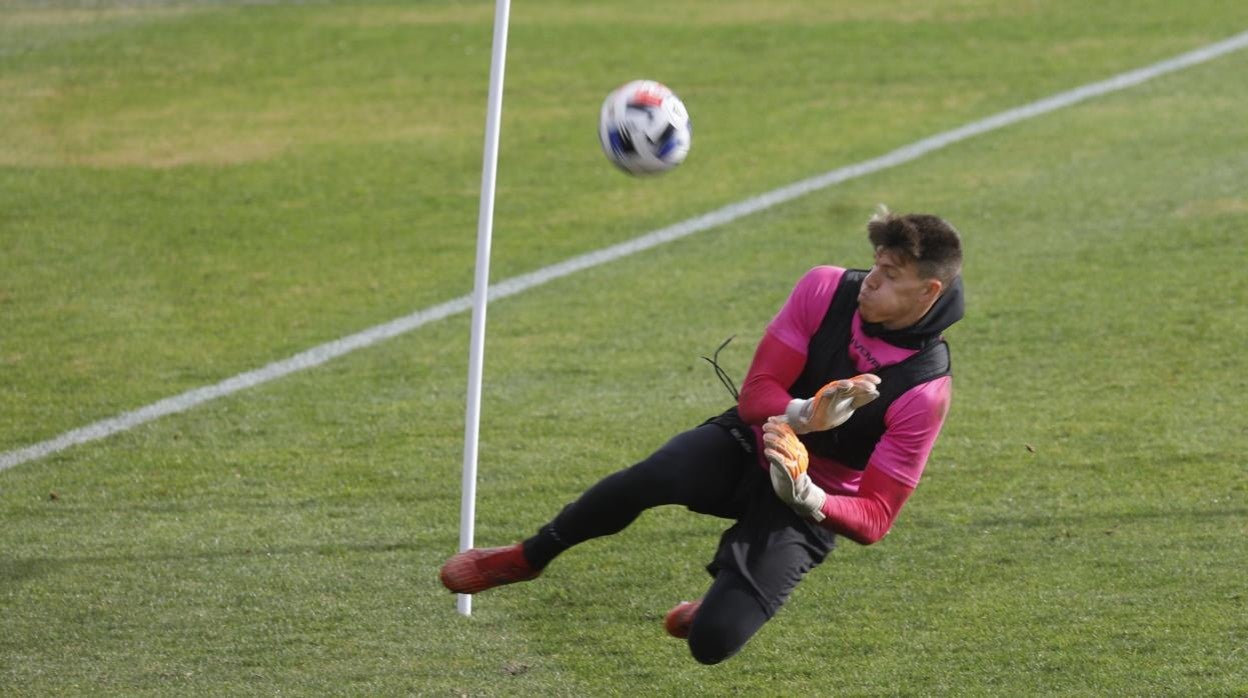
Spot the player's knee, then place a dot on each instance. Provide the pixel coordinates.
(709, 652)
(711, 642)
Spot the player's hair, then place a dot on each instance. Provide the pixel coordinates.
(927, 240)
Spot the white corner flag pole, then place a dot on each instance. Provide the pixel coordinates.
(481, 285)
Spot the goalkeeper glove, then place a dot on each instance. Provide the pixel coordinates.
(789, 460)
(833, 404)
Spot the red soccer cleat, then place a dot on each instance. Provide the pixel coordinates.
(478, 569)
(680, 618)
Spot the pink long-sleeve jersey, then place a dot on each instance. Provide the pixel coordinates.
(912, 421)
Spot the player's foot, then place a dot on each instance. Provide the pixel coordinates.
(680, 618)
(478, 569)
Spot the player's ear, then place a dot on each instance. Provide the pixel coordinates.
(932, 289)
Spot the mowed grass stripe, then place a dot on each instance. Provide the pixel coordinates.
(330, 350)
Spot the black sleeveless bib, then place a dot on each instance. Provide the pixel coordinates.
(827, 359)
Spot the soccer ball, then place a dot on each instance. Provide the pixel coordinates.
(644, 128)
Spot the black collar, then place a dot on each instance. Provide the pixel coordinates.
(944, 312)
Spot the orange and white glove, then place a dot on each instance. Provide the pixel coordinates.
(833, 404)
(789, 460)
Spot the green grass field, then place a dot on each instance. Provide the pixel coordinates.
(191, 190)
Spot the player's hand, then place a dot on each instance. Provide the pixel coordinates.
(833, 404)
(789, 461)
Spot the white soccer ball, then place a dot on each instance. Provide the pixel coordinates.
(644, 128)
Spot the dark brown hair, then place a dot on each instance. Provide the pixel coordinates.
(927, 240)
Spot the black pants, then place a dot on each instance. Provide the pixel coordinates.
(711, 470)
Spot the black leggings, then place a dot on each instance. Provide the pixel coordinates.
(729, 616)
(707, 469)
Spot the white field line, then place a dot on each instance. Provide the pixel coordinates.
(518, 284)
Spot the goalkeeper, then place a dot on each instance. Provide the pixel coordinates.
(844, 399)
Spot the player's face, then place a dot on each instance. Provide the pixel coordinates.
(893, 294)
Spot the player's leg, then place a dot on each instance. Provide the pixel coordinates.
(760, 561)
(727, 617)
(699, 468)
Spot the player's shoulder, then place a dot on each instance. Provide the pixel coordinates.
(824, 273)
(820, 281)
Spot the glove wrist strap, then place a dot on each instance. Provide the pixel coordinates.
(793, 414)
(817, 514)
